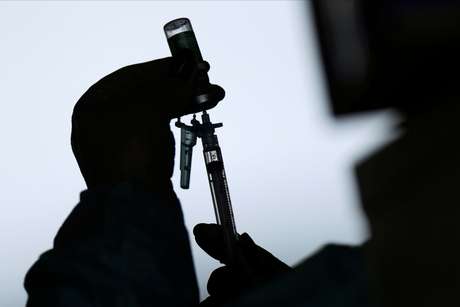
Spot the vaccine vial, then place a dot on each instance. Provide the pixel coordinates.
(180, 36)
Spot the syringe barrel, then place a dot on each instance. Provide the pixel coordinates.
(219, 190)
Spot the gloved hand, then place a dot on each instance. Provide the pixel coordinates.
(227, 283)
(120, 126)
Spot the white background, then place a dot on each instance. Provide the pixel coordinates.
(288, 161)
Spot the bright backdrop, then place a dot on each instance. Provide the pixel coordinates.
(288, 161)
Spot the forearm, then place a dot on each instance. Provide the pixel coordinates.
(121, 246)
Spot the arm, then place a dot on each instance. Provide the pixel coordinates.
(113, 250)
(125, 243)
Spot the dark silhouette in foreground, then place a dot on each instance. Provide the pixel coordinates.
(125, 243)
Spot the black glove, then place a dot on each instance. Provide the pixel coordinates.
(120, 126)
(227, 283)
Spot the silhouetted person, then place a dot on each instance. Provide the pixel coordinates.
(125, 243)
(380, 54)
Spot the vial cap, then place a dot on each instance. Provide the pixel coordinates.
(177, 26)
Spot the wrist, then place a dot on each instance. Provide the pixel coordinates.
(157, 186)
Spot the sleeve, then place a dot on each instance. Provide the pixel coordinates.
(120, 246)
(334, 276)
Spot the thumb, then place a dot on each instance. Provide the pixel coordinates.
(210, 238)
(262, 261)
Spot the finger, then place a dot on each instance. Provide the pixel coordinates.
(204, 66)
(211, 301)
(187, 80)
(260, 259)
(148, 77)
(182, 64)
(215, 93)
(141, 82)
(210, 238)
(163, 88)
(185, 66)
(225, 282)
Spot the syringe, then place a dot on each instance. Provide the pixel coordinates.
(181, 37)
(218, 184)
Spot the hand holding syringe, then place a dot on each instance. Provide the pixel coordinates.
(181, 38)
